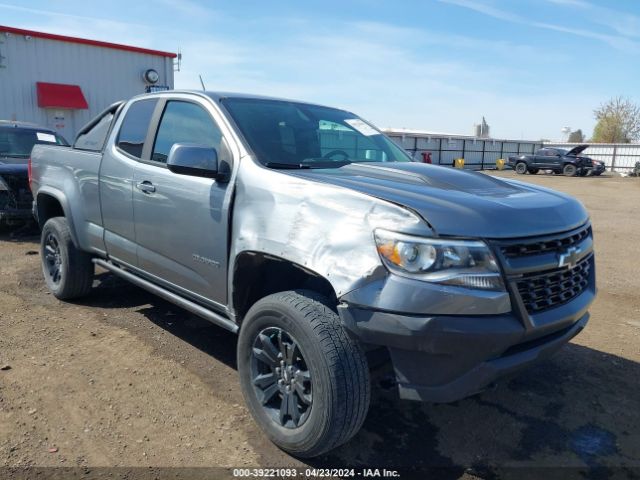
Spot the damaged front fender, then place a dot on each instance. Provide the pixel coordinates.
(325, 228)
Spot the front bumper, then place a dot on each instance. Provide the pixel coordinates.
(445, 357)
(14, 216)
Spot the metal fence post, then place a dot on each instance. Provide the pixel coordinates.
(613, 158)
(464, 145)
(484, 143)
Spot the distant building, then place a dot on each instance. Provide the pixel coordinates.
(62, 82)
(443, 148)
(481, 130)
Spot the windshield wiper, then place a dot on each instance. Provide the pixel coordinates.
(308, 164)
(292, 166)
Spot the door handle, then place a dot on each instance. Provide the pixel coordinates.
(146, 186)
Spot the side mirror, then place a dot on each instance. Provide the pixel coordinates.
(195, 160)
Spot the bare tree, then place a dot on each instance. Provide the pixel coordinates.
(618, 121)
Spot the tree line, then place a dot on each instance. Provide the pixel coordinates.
(617, 121)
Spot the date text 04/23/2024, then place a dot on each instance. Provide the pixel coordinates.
(315, 473)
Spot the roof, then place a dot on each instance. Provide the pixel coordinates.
(427, 134)
(24, 126)
(85, 41)
(424, 133)
(217, 96)
(220, 95)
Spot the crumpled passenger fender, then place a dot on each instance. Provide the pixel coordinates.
(325, 228)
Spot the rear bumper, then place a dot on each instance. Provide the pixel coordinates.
(445, 358)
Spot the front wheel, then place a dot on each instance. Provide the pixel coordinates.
(569, 170)
(67, 270)
(305, 381)
(521, 168)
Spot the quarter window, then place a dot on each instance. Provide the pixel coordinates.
(186, 122)
(94, 139)
(135, 125)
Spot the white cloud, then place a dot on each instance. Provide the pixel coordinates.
(190, 9)
(58, 16)
(616, 41)
(623, 23)
(394, 76)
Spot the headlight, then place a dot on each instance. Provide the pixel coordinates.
(463, 263)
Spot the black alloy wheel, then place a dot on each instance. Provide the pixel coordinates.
(53, 258)
(281, 377)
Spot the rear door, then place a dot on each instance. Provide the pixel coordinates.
(116, 179)
(181, 220)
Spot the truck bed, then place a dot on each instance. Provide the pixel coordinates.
(69, 171)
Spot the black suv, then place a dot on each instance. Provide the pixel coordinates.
(559, 160)
(16, 141)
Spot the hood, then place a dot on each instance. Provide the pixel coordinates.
(457, 202)
(575, 151)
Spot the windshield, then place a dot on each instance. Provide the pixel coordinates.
(17, 143)
(286, 134)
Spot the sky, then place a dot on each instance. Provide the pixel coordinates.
(531, 67)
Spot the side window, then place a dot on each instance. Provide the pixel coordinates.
(94, 139)
(551, 153)
(133, 130)
(185, 122)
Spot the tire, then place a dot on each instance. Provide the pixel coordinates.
(596, 174)
(521, 168)
(328, 363)
(533, 171)
(569, 170)
(67, 270)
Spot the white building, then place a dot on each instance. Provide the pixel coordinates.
(62, 82)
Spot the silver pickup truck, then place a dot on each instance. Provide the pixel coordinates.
(314, 237)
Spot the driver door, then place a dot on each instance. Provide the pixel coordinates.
(181, 220)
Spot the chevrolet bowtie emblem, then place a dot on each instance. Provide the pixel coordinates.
(569, 258)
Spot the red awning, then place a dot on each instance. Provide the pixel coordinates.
(60, 95)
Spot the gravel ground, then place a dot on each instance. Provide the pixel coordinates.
(123, 378)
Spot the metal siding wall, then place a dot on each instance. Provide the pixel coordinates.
(445, 149)
(105, 75)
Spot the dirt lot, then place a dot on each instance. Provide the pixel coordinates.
(123, 378)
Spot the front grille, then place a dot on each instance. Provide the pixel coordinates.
(541, 291)
(537, 247)
(19, 195)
